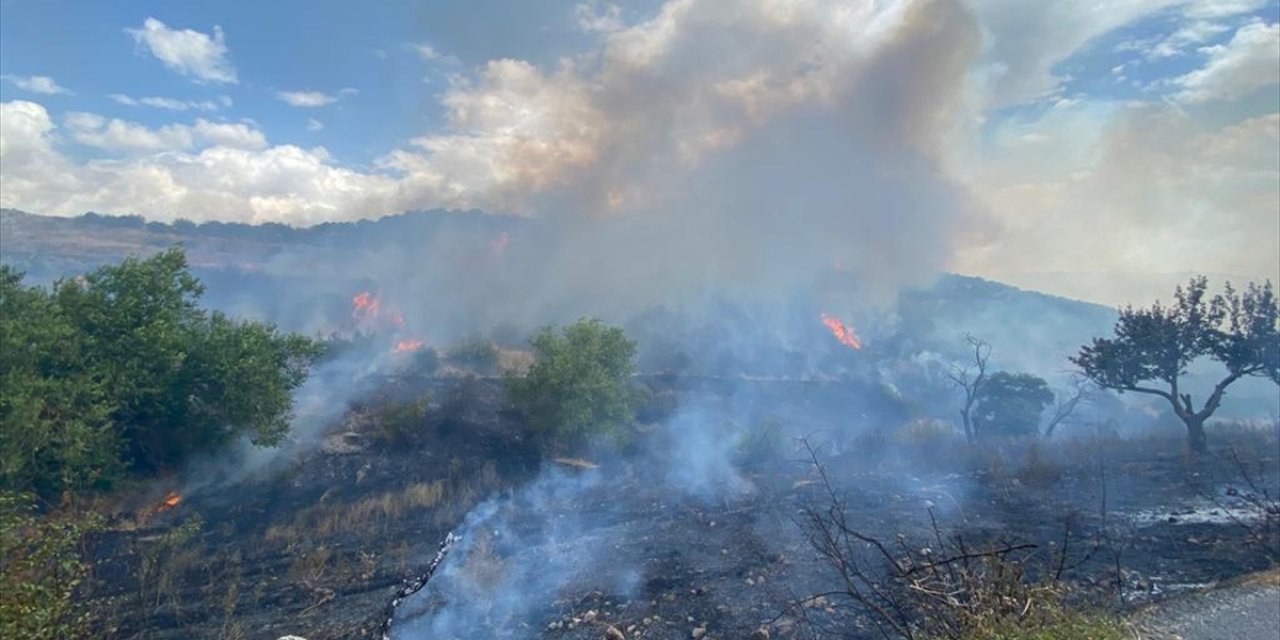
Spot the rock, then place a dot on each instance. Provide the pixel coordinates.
(760, 634)
(698, 632)
(611, 633)
(291, 638)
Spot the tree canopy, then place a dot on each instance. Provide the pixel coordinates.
(120, 370)
(580, 381)
(1011, 404)
(1153, 347)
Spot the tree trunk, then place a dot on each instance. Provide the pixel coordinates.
(1195, 435)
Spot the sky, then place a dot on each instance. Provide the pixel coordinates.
(1083, 147)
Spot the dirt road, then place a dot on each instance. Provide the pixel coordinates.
(1247, 610)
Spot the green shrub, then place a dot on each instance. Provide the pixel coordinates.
(121, 370)
(40, 568)
(579, 384)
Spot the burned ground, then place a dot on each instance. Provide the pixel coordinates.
(562, 551)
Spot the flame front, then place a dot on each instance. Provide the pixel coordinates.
(843, 333)
(364, 305)
(408, 346)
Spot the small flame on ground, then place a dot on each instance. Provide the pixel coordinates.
(843, 333)
(364, 305)
(408, 346)
(170, 501)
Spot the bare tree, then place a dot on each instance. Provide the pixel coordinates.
(1068, 401)
(970, 378)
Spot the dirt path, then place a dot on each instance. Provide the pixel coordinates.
(1246, 610)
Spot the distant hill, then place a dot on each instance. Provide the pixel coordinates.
(449, 273)
(47, 247)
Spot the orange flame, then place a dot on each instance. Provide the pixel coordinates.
(408, 346)
(364, 305)
(170, 501)
(844, 334)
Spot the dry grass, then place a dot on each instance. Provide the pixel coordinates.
(361, 517)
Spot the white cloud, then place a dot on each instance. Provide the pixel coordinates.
(234, 135)
(123, 137)
(249, 182)
(1233, 70)
(314, 125)
(598, 17)
(1210, 9)
(311, 99)
(118, 135)
(1187, 36)
(306, 98)
(43, 85)
(189, 52)
(1026, 40)
(428, 53)
(171, 104)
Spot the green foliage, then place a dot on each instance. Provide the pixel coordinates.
(56, 431)
(1156, 344)
(1050, 621)
(40, 568)
(120, 369)
(1010, 404)
(580, 382)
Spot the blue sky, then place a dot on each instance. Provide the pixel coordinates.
(1052, 117)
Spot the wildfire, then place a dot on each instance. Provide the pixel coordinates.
(370, 314)
(843, 333)
(365, 305)
(170, 501)
(408, 346)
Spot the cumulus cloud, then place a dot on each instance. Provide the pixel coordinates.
(598, 17)
(171, 104)
(119, 135)
(311, 99)
(43, 85)
(314, 125)
(194, 172)
(1233, 70)
(186, 51)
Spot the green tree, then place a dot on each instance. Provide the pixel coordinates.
(121, 368)
(56, 432)
(579, 383)
(1157, 344)
(1010, 404)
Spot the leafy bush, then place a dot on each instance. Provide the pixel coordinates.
(580, 382)
(121, 370)
(40, 568)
